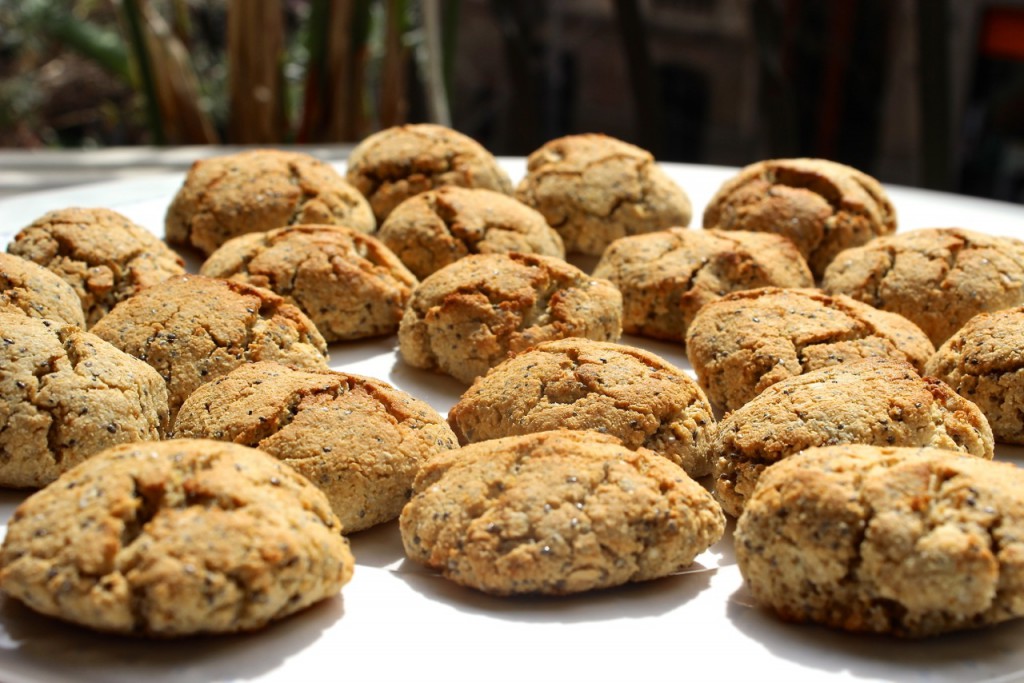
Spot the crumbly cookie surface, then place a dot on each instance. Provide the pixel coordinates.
(348, 283)
(435, 228)
(68, 395)
(556, 513)
(467, 317)
(394, 164)
(29, 288)
(104, 256)
(747, 341)
(175, 538)
(874, 402)
(667, 276)
(575, 383)
(260, 190)
(822, 206)
(984, 363)
(910, 542)
(194, 329)
(359, 440)
(939, 278)
(594, 189)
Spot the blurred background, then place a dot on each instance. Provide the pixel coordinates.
(916, 92)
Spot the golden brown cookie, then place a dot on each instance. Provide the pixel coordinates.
(581, 384)
(29, 288)
(875, 402)
(594, 189)
(939, 278)
(556, 513)
(173, 539)
(747, 341)
(105, 257)
(467, 317)
(348, 283)
(68, 394)
(434, 228)
(667, 276)
(984, 363)
(394, 164)
(903, 541)
(359, 440)
(259, 190)
(194, 329)
(823, 206)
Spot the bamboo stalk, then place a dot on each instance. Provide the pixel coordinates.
(176, 83)
(437, 93)
(255, 81)
(133, 18)
(393, 102)
(339, 61)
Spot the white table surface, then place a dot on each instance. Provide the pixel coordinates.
(397, 621)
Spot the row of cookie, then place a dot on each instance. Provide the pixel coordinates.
(592, 189)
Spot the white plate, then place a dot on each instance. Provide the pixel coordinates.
(398, 621)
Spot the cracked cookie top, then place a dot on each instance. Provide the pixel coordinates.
(823, 206)
(259, 190)
(556, 513)
(359, 440)
(581, 384)
(394, 164)
(195, 329)
(747, 341)
(939, 278)
(29, 288)
(68, 395)
(667, 276)
(984, 363)
(876, 402)
(467, 317)
(175, 538)
(347, 282)
(105, 257)
(438, 227)
(903, 541)
(594, 189)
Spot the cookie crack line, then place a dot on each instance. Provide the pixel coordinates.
(346, 385)
(792, 177)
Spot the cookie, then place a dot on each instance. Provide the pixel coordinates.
(348, 283)
(875, 402)
(902, 541)
(667, 276)
(984, 363)
(394, 164)
(195, 329)
(174, 539)
(359, 440)
(467, 317)
(581, 384)
(29, 288)
(823, 206)
(594, 189)
(747, 341)
(939, 278)
(68, 395)
(556, 513)
(259, 190)
(435, 228)
(105, 257)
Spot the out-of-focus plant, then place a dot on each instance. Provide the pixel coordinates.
(244, 71)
